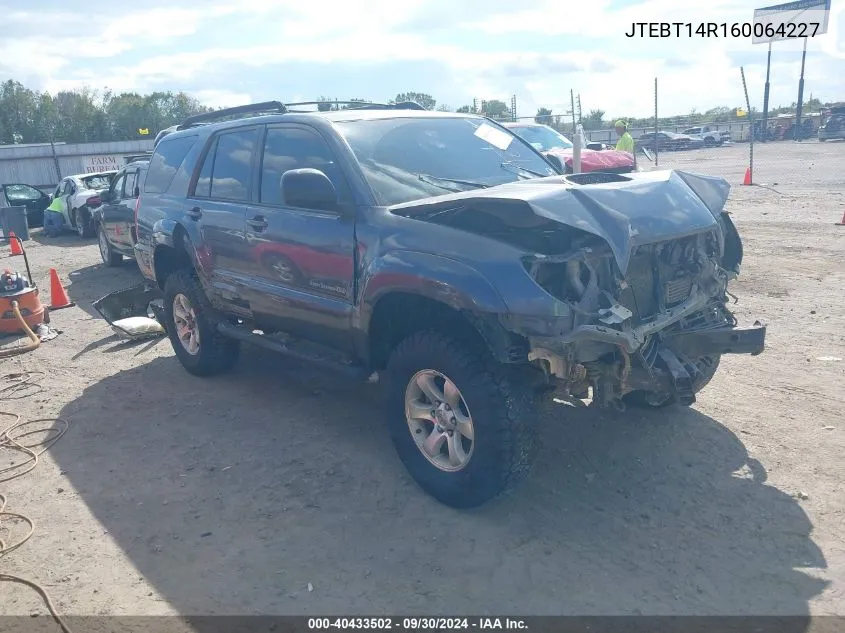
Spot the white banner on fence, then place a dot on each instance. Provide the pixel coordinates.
(792, 20)
(94, 164)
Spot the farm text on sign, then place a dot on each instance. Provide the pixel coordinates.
(95, 164)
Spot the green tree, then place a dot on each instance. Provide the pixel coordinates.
(496, 109)
(543, 116)
(594, 120)
(464, 109)
(425, 100)
(18, 113)
(444, 108)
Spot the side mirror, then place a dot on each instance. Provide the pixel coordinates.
(555, 161)
(308, 189)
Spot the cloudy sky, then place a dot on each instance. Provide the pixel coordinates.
(227, 52)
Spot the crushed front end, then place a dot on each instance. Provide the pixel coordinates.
(657, 331)
(645, 318)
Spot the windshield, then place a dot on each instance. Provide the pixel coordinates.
(545, 136)
(97, 182)
(406, 159)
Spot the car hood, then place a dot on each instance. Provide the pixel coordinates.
(596, 160)
(625, 211)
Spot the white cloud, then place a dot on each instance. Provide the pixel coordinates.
(610, 72)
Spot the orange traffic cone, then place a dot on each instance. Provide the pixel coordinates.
(747, 179)
(15, 244)
(58, 295)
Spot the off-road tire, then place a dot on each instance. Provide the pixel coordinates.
(110, 257)
(217, 353)
(83, 222)
(503, 414)
(707, 365)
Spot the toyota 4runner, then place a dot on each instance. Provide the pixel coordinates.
(444, 256)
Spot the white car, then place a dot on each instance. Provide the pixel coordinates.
(79, 196)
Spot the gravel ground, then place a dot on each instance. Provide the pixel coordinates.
(275, 489)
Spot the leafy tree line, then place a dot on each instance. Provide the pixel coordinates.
(85, 115)
(79, 116)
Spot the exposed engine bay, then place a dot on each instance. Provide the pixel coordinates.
(624, 327)
(637, 269)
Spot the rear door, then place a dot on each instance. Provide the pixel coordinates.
(218, 203)
(125, 211)
(111, 211)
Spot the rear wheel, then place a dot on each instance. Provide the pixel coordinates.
(82, 218)
(191, 324)
(462, 428)
(107, 253)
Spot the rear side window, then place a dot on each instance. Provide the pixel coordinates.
(232, 171)
(165, 163)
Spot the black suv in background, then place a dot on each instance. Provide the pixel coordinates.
(114, 220)
(447, 255)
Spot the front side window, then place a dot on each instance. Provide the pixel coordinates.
(129, 184)
(117, 187)
(406, 158)
(22, 193)
(295, 148)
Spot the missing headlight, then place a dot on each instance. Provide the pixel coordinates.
(564, 280)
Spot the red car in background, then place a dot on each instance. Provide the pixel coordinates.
(549, 141)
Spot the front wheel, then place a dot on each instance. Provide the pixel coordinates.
(463, 429)
(192, 328)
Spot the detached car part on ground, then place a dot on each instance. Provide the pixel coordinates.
(473, 304)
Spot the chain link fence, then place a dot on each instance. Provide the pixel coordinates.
(790, 154)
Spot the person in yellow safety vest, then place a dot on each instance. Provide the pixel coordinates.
(625, 142)
(53, 218)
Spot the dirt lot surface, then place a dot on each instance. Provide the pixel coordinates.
(275, 489)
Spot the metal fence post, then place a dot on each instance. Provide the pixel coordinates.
(656, 142)
(750, 125)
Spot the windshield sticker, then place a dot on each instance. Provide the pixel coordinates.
(496, 138)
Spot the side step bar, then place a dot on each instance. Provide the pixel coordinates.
(240, 334)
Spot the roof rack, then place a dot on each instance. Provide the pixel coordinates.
(131, 158)
(252, 108)
(277, 107)
(361, 105)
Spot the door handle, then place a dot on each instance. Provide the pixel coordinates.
(195, 213)
(258, 223)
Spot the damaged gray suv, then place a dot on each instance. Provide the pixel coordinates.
(443, 255)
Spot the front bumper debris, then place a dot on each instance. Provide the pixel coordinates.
(724, 340)
(142, 300)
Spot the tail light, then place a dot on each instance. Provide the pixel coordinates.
(94, 201)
